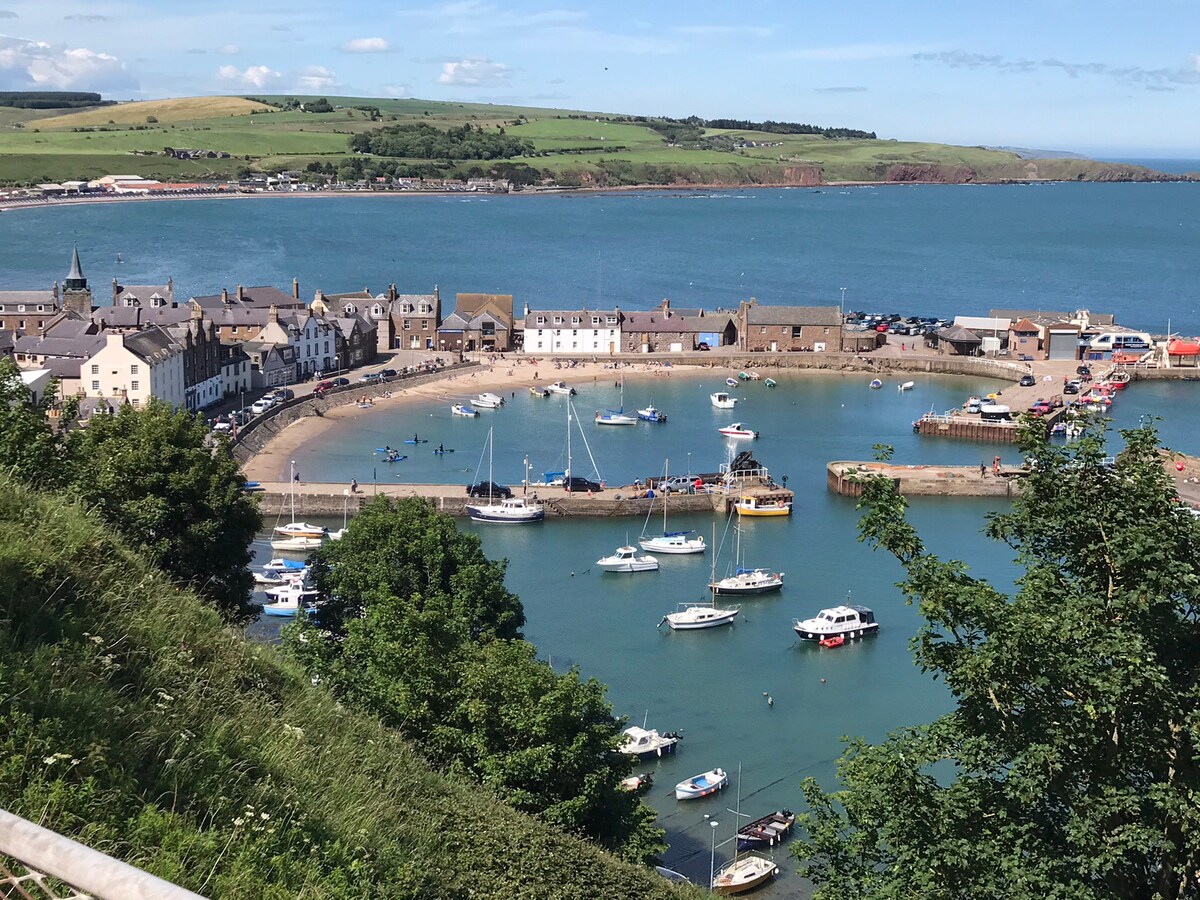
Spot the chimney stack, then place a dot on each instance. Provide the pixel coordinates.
(171, 289)
(225, 296)
(115, 291)
(273, 314)
(241, 294)
(392, 292)
(295, 288)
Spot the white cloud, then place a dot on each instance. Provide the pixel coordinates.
(28, 64)
(724, 31)
(474, 71)
(397, 91)
(230, 50)
(366, 45)
(252, 76)
(316, 78)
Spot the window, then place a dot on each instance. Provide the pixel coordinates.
(541, 320)
(407, 324)
(612, 320)
(575, 320)
(133, 370)
(41, 324)
(798, 331)
(20, 307)
(558, 320)
(95, 370)
(95, 384)
(762, 329)
(574, 345)
(595, 320)
(133, 385)
(41, 307)
(425, 326)
(827, 331)
(21, 324)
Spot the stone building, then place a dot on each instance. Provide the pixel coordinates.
(789, 328)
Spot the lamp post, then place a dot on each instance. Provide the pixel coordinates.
(525, 490)
(689, 465)
(712, 854)
(842, 321)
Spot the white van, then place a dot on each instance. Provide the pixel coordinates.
(1121, 341)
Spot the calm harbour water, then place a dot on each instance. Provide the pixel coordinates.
(1129, 249)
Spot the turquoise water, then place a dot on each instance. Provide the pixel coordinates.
(711, 684)
(934, 250)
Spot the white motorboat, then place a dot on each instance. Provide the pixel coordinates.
(738, 430)
(875, 384)
(462, 409)
(276, 578)
(291, 590)
(672, 542)
(515, 510)
(702, 785)
(731, 382)
(288, 600)
(280, 565)
(906, 386)
(749, 581)
(751, 505)
(511, 510)
(743, 874)
(560, 387)
(627, 559)
(652, 414)
(847, 622)
(770, 382)
(693, 618)
(485, 401)
(722, 400)
(643, 742)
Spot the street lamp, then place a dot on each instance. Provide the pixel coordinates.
(842, 322)
(689, 465)
(712, 855)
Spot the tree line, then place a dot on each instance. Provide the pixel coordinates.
(51, 99)
(422, 141)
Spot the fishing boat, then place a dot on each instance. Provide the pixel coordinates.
(750, 505)
(646, 742)
(746, 580)
(738, 430)
(732, 382)
(770, 382)
(295, 587)
(627, 559)
(702, 785)
(847, 622)
(692, 617)
(487, 401)
(768, 831)
(673, 542)
(539, 391)
(461, 409)
(652, 414)
(616, 416)
(722, 400)
(875, 384)
(510, 510)
(560, 387)
(290, 602)
(906, 386)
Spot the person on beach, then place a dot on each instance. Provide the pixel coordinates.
(983, 470)
(996, 466)
(354, 485)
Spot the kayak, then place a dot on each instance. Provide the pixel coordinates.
(451, 450)
(417, 441)
(394, 458)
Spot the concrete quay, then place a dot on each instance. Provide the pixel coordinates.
(332, 500)
(846, 477)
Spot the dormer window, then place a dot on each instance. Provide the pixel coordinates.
(377, 310)
(595, 320)
(41, 307)
(20, 307)
(349, 309)
(575, 320)
(541, 320)
(558, 320)
(612, 320)
(426, 308)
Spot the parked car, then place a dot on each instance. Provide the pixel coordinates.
(489, 489)
(261, 406)
(581, 484)
(1041, 408)
(702, 346)
(682, 483)
(388, 373)
(1072, 387)
(370, 377)
(1028, 381)
(340, 382)
(324, 386)
(282, 394)
(222, 426)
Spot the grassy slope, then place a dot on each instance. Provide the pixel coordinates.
(43, 148)
(135, 722)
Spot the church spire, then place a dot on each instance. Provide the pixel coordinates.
(75, 280)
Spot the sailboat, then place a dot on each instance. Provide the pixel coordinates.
(297, 535)
(669, 541)
(616, 416)
(689, 617)
(745, 872)
(514, 510)
(747, 581)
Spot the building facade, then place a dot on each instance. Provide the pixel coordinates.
(133, 368)
(572, 331)
(789, 328)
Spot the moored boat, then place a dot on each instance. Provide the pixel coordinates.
(678, 542)
(627, 559)
(652, 414)
(732, 382)
(615, 417)
(749, 581)
(722, 400)
(296, 544)
(637, 782)
(301, 529)
(744, 874)
(848, 622)
(646, 742)
(514, 510)
(488, 397)
(831, 642)
(875, 384)
(539, 391)
(738, 430)
(906, 386)
(560, 387)
(768, 831)
(484, 401)
(462, 409)
(692, 618)
(770, 382)
(702, 785)
(750, 505)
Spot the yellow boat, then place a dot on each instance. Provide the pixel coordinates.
(749, 505)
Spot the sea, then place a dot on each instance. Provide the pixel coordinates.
(1129, 249)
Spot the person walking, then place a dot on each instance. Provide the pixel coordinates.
(983, 470)
(996, 466)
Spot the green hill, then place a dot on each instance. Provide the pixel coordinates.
(138, 724)
(570, 147)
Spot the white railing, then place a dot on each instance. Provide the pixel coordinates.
(52, 867)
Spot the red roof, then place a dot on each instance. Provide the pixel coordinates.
(1183, 348)
(1025, 326)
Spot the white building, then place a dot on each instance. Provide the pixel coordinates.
(572, 331)
(135, 367)
(311, 337)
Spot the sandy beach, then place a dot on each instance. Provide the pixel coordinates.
(504, 377)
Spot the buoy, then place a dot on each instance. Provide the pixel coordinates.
(770, 701)
(1179, 467)
(822, 681)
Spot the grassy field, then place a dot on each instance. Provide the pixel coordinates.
(579, 147)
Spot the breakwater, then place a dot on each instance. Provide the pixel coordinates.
(846, 478)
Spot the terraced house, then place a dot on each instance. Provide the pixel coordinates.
(789, 328)
(572, 331)
(479, 322)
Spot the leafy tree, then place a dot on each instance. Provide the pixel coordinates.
(423, 141)
(29, 447)
(1069, 768)
(152, 475)
(416, 627)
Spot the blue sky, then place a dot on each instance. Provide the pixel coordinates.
(1102, 77)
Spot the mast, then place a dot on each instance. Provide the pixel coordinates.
(293, 486)
(568, 475)
(666, 468)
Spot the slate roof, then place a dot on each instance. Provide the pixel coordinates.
(585, 314)
(64, 368)
(143, 292)
(828, 316)
(46, 298)
(956, 334)
(7, 340)
(454, 322)
(140, 316)
(263, 296)
(80, 347)
(153, 345)
(654, 321)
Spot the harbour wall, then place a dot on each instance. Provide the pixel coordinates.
(846, 478)
(843, 362)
